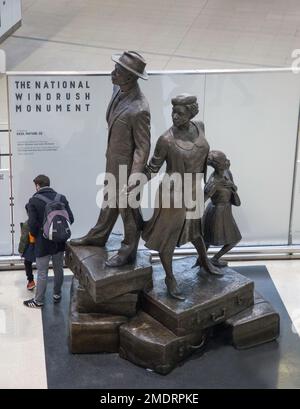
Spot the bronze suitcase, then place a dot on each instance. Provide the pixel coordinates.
(123, 305)
(254, 326)
(92, 333)
(147, 343)
(210, 300)
(104, 283)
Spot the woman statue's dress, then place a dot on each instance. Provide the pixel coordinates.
(169, 227)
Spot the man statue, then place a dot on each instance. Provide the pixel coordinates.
(128, 118)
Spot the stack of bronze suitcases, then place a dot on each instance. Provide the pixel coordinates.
(102, 298)
(123, 310)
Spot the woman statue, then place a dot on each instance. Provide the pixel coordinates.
(220, 228)
(185, 150)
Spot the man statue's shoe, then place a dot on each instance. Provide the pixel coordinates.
(86, 241)
(119, 260)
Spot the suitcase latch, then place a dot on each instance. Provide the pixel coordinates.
(239, 300)
(76, 272)
(181, 351)
(199, 318)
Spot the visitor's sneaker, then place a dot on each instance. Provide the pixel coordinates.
(56, 298)
(32, 304)
(30, 285)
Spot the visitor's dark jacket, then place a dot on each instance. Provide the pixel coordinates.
(36, 208)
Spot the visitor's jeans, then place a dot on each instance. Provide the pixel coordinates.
(42, 265)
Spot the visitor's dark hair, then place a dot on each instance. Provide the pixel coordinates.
(42, 181)
(189, 102)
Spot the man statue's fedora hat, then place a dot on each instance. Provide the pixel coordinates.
(133, 62)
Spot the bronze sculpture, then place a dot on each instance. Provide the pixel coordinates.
(128, 118)
(155, 330)
(220, 227)
(185, 150)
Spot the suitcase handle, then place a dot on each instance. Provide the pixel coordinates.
(220, 317)
(188, 347)
(194, 347)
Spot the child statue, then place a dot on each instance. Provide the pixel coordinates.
(219, 226)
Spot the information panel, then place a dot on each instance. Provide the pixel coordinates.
(58, 129)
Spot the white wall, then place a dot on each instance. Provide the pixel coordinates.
(252, 117)
(5, 216)
(295, 226)
(4, 140)
(10, 14)
(3, 102)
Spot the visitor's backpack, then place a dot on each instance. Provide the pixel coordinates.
(56, 224)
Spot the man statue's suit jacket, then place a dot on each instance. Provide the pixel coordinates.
(128, 118)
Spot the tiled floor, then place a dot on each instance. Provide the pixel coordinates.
(21, 333)
(22, 354)
(171, 34)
